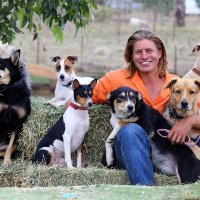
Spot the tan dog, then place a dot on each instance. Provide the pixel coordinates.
(182, 103)
(195, 71)
(183, 99)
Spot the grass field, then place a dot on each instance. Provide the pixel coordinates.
(104, 192)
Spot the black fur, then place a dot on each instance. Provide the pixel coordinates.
(14, 95)
(151, 120)
(55, 132)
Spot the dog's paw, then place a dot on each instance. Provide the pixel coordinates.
(7, 162)
(109, 160)
(70, 167)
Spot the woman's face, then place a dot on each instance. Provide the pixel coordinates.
(146, 56)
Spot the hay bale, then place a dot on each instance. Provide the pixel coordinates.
(25, 174)
(44, 116)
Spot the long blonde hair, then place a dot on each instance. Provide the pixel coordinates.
(128, 52)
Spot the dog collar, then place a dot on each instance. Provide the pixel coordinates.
(173, 114)
(68, 84)
(78, 107)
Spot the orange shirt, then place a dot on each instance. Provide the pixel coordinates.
(115, 79)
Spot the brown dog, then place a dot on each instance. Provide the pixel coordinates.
(183, 99)
(182, 103)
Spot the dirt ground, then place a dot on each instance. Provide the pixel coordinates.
(38, 70)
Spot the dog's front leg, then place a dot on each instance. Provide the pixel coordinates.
(109, 142)
(67, 149)
(79, 156)
(7, 157)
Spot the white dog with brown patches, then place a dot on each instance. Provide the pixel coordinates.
(65, 78)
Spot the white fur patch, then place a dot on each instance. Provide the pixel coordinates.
(166, 163)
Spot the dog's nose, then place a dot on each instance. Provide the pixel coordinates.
(184, 103)
(89, 104)
(130, 107)
(62, 77)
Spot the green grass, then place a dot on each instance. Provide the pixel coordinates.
(40, 80)
(105, 192)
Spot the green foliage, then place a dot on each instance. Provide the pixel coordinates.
(198, 3)
(19, 14)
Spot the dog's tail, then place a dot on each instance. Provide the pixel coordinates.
(42, 156)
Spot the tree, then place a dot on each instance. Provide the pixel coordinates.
(158, 7)
(19, 14)
(180, 13)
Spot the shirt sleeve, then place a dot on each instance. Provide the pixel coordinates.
(101, 90)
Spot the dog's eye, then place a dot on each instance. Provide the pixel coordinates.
(192, 92)
(121, 98)
(178, 91)
(132, 98)
(67, 68)
(58, 68)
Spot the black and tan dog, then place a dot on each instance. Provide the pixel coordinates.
(127, 106)
(14, 103)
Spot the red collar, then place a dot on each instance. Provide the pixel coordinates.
(78, 107)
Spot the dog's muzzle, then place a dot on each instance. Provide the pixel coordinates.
(62, 77)
(184, 105)
(129, 108)
(90, 103)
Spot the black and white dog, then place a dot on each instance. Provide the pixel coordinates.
(14, 103)
(68, 132)
(127, 106)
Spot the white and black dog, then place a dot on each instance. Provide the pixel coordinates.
(65, 77)
(68, 133)
(15, 105)
(127, 106)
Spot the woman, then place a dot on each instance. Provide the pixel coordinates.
(146, 72)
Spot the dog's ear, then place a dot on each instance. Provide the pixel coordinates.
(72, 59)
(171, 83)
(140, 98)
(54, 60)
(196, 48)
(75, 84)
(197, 83)
(108, 98)
(15, 57)
(93, 83)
